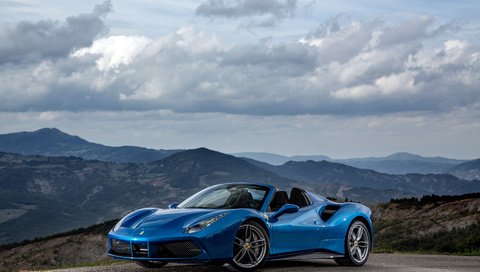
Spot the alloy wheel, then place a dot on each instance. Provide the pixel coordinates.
(250, 246)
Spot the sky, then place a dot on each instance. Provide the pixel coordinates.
(338, 78)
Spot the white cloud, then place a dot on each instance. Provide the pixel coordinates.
(114, 51)
(342, 67)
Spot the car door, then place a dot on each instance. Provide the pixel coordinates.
(294, 232)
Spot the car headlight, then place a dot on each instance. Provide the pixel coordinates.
(119, 224)
(203, 224)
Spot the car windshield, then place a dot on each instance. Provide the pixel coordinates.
(231, 196)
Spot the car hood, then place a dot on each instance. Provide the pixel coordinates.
(173, 218)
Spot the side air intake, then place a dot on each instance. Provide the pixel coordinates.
(328, 212)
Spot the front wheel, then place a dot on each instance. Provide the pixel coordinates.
(357, 245)
(251, 247)
(151, 264)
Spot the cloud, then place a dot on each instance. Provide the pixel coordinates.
(31, 42)
(343, 67)
(266, 12)
(114, 50)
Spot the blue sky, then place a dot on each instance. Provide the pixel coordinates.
(339, 78)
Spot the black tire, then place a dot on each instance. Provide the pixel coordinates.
(357, 245)
(248, 241)
(151, 264)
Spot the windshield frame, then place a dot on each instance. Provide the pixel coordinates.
(261, 207)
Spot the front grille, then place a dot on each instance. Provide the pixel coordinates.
(140, 249)
(120, 247)
(183, 249)
(180, 249)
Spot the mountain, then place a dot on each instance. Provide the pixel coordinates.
(53, 142)
(72, 192)
(276, 159)
(431, 224)
(36, 190)
(469, 170)
(80, 247)
(398, 163)
(203, 167)
(335, 176)
(45, 195)
(436, 224)
(403, 163)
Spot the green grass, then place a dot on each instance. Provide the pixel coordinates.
(459, 241)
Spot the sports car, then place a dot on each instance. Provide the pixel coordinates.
(245, 224)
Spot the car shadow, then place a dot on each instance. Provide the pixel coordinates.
(299, 263)
(275, 264)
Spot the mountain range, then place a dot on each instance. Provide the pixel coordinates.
(346, 177)
(398, 163)
(49, 193)
(53, 142)
(44, 195)
(276, 159)
(469, 170)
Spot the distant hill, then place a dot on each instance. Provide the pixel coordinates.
(330, 173)
(403, 163)
(36, 191)
(203, 167)
(431, 224)
(469, 170)
(73, 192)
(276, 159)
(428, 225)
(53, 142)
(398, 163)
(84, 246)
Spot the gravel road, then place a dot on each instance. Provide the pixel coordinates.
(376, 262)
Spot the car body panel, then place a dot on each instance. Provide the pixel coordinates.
(294, 232)
(301, 232)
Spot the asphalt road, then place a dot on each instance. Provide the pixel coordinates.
(376, 262)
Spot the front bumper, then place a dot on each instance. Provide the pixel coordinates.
(157, 250)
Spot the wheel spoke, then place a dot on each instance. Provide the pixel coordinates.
(248, 233)
(359, 234)
(240, 253)
(359, 253)
(255, 257)
(262, 241)
(252, 261)
(251, 242)
(260, 244)
(239, 242)
(363, 244)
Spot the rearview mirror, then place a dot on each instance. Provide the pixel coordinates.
(287, 208)
(172, 206)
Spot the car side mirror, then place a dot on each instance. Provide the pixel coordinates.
(287, 208)
(172, 205)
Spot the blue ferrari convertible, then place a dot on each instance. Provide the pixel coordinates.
(244, 224)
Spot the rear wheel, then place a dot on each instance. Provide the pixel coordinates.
(151, 264)
(251, 247)
(357, 245)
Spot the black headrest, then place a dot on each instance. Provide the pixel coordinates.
(298, 198)
(280, 198)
